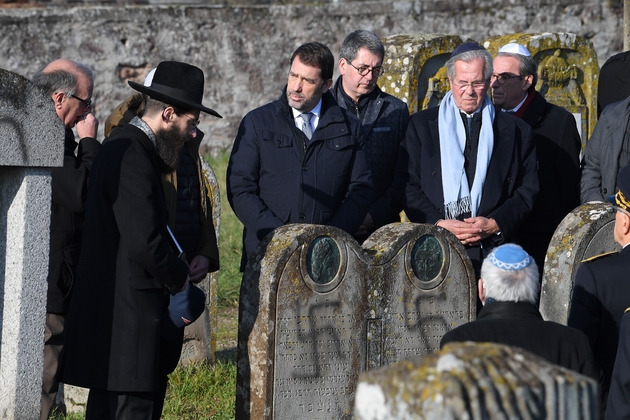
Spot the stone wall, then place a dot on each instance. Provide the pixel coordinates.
(244, 51)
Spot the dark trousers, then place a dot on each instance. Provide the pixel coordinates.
(110, 405)
(53, 343)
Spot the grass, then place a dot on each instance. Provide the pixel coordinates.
(202, 391)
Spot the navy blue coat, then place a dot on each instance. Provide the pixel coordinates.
(511, 182)
(381, 130)
(276, 176)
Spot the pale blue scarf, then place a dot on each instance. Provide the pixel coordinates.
(458, 199)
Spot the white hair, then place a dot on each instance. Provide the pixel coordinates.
(510, 285)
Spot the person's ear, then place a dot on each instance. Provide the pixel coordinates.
(527, 81)
(327, 85)
(481, 289)
(168, 115)
(58, 98)
(342, 64)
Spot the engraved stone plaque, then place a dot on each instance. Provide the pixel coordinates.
(316, 310)
(308, 341)
(423, 286)
(584, 233)
(567, 72)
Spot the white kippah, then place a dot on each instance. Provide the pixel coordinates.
(514, 48)
(149, 79)
(510, 257)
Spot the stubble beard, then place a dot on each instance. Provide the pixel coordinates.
(306, 104)
(168, 144)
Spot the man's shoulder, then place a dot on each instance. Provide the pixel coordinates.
(396, 102)
(614, 59)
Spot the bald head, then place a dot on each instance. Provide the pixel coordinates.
(70, 85)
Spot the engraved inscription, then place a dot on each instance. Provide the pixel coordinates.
(316, 360)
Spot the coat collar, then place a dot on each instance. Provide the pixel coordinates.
(513, 310)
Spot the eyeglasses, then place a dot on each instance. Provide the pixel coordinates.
(86, 102)
(504, 77)
(192, 122)
(364, 70)
(475, 85)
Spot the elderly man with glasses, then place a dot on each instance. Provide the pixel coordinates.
(600, 294)
(465, 167)
(383, 117)
(558, 146)
(67, 82)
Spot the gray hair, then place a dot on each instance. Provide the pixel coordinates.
(59, 80)
(361, 39)
(467, 57)
(510, 285)
(527, 65)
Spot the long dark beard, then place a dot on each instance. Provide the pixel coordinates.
(168, 144)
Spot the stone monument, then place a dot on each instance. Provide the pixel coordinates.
(31, 142)
(476, 381)
(567, 72)
(584, 233)
(316, 310)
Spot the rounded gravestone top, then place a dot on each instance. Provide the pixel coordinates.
(31, 133)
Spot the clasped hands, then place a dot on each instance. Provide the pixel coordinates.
(470, 230)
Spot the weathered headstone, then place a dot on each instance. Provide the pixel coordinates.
(31, 141)
(476, 381)
(414, 68)
(585, 232)
(316, 310)
(567, 72)
(200, 338)
(422, 285)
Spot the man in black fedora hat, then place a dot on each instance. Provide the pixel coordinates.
(129, 266)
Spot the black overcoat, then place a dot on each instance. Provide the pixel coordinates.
(520, 324)
(511, 181)
(600, 297)
(126, 272)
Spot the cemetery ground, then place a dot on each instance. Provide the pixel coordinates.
(202, 391)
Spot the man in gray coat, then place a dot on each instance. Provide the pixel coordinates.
(606, 152)
(383, 117)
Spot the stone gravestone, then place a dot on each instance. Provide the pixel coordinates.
(421, 284)
(414, 68)
(584, 233)
(31, 142)
(200, 338)
(316, 310)
(476, 381)
(567, 72)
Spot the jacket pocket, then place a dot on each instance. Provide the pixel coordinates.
(276, 154)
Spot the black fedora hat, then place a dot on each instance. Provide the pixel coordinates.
(177, 84)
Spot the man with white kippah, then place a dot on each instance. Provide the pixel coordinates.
(558, 146)
(464, 167)
(508, 289)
